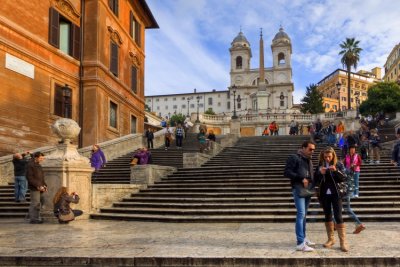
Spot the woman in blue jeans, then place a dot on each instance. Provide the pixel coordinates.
(300, 171)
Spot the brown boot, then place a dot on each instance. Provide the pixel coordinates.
(331, 234)
(341, 229)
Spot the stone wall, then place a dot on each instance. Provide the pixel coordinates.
(148, 174)
(104, 195)
(195, 160)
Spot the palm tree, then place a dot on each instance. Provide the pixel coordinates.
(350, 57)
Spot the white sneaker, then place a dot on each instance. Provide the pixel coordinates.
(303, 247)
(309, 243)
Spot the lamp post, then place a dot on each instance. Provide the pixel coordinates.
(198, 100)
(67, 97)
(357, 97)
(238, 100)
(234, 102)
(188, 99)
(338, 86)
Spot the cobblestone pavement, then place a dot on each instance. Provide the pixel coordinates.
(93, 238)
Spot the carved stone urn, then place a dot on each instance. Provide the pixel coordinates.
(66, 129)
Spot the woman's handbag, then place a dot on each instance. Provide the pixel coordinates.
(66, 217)
(302, 191)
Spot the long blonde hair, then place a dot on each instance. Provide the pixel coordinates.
(63, 190)
(327, 150)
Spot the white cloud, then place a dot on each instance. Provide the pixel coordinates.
(190, 50)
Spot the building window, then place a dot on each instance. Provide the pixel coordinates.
(174, 107)
(201, 105)
(134, 80)
(210, 101)
(133, 124)
(228, 105)
(62, 103)
(183, 106)
(239, 62)
(157, 99)
(114, 58)
(63, 34)
(166, 107)
(282, 103)
(174, 98)
(158, 108)
(135, 29)
(113, 4)
(113, 114)
(183, 98)
(149, 100)
(239, 105)
(191, 105)
(165, 99)
(327, 105)
(219, 104)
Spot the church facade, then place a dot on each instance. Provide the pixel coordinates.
(259, 90)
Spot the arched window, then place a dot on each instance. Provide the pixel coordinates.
(257, 81)
(281, 59)
(239, 62)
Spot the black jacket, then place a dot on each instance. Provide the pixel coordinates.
(297, 168)
(329, 180)
(20, 166)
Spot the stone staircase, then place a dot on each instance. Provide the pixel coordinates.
(245, 183)
(8, 207)
(117, 171)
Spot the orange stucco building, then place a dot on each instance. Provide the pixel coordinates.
(95, 47)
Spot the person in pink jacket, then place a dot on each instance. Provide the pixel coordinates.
(352, 163)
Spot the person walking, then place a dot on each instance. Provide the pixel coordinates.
(352, 163)
(201, 137)
(339, 131)
(37, 187)
(97, 158)
(328, 174)
(395, 159)
(375, 147)
(167, 137)
(150, 137)
(179, 132)
(299, 170)
(20, 163)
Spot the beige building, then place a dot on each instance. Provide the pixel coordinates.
(334, 88)
(392, 65)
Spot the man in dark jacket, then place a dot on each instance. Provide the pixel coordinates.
(149, 137)
(37, 186)
(20, 163)
(300, 171)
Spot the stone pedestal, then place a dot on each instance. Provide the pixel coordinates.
(235, 127)
(195, 160)
(262, 100)
(148, 174)
(66, 167)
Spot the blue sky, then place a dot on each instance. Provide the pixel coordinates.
(191, 48)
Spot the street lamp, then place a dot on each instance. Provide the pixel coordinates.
(188, 99)
(357, 97)
(234, 102)
(198, 100)
(66, 91)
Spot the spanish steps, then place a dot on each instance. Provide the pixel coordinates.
(245, 183)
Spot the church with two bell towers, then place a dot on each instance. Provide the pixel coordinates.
(262, 90)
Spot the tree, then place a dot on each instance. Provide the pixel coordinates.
(312, 101)
(350, 57)
(384, 96)
(177, 118)
(147, 108)
(209, 111)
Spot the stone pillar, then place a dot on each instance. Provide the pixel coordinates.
(235, 127)
(149, 174)
(66, 167)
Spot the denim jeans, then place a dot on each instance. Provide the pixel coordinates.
(356, 182)
(348, 209)
(301, 204)
(21, 186)
(179, 141)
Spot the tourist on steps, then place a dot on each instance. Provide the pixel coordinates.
(62, 199)
(20, 162)
(352, 163)
(328, 174)
(299, 169)
(97, 158)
